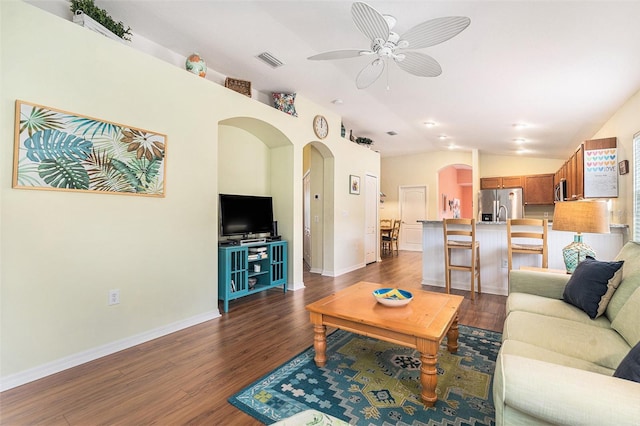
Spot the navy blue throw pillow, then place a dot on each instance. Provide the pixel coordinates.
(629, 368)
(589, 283)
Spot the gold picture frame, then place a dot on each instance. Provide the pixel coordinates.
(63, 151)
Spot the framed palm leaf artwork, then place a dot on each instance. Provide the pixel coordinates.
(59, 150)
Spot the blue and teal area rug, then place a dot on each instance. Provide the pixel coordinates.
(371, 382)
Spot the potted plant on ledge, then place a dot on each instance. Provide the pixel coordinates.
(364, 141)
(87, 14)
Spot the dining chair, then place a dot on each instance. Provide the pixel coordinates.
(464, 233)
(390, 240)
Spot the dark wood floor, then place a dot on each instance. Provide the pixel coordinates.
(186, 377)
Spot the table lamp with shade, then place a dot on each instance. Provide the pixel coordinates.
(580, 216)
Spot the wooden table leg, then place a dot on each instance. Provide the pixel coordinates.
(319, 339)
(320, 344)
(428, 372)
(452, 336)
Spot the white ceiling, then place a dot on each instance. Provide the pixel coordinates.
(562, 67)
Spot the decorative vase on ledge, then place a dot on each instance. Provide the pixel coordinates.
(196, 65)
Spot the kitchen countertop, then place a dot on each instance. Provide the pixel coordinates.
(439, 222)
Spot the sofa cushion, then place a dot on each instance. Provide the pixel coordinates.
(592, 285)
(527, 350)
(627, 322)
(630, 253)
(590, 343)
(629, 368)
(552, 308)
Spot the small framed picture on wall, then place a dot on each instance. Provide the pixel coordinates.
(354, 184)
(623, 167)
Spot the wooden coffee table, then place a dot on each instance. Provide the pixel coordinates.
(422, 324)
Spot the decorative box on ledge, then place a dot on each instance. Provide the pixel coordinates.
(86, 21)
(240, 86)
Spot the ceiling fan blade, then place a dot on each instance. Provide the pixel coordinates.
(419, 64)
(338, 54)
(369, 21)
(435, 31)
(370, 74)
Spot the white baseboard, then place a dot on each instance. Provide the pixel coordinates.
(344, 270)
(459, 286)
(295, 286)
(18, 379)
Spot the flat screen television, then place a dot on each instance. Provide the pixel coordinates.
(245, 214)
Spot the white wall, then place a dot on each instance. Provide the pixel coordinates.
(61, 252)
(623, 125)
(517, 165)
(418, 169)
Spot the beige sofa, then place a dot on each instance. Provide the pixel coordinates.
(556, 364)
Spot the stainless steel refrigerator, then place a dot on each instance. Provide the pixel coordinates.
(498, 205)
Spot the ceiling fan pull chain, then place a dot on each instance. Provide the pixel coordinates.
(387, 63)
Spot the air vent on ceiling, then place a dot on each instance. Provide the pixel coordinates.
(392, 133)
(270, 60)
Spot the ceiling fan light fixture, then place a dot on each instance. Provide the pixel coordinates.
(385, 43)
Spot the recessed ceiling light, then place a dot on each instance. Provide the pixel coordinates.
(520, 140)
(429, 123)
(392, 133)
(442, 137)
(519, 125)
(452, 146)
(337, 101)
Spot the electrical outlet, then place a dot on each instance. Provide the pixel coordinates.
(505, 263)
(114, 297)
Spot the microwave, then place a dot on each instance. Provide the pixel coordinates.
(560, 191)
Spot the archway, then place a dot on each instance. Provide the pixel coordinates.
(256, 158)
(455, 191)
(318, 199)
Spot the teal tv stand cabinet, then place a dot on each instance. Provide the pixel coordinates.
(248, 269)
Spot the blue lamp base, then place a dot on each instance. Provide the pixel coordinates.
(575, 253)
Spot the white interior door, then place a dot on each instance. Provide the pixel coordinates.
(306, 239)
(371, 219)
(413, 207)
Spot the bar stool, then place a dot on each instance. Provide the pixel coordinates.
(519, 246)
(465, 228)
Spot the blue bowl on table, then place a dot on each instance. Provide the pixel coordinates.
(392, 296)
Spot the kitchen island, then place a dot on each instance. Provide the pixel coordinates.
(493, 253)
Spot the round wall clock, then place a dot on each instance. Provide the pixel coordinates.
(320, 126)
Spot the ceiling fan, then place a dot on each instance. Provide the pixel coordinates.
(385, 44)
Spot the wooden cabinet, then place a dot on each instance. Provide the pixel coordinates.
(244, 270)
(573, 172)
(501, 182)
(538, 189)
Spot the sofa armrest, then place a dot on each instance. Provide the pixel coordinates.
(545, 284)
(562, 395)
